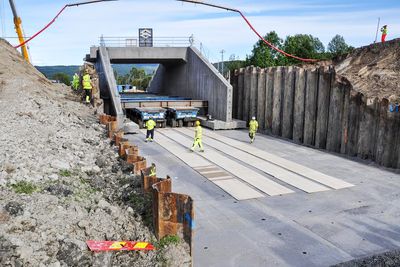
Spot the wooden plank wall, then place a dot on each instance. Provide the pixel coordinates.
(316, 107)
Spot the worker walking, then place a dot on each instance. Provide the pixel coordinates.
(253, 127)
(87, 86)
(384, 31)
(75, 81)
(198, 131)
(150, 124)
(152, 169)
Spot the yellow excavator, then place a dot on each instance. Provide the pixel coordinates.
(20, 32)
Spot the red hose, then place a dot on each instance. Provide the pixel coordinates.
(58, 14)
(44, 28)
(272, 46)
(251, 27)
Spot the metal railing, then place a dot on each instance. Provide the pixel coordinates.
(157, 41)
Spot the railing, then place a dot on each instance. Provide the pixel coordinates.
(157, 41)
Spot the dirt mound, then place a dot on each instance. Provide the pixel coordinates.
(373, 70)
(61, 183)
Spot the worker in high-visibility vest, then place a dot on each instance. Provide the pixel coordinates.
(150, 124)
(384, 31)
(75, 81)
(87, 86)
(253, 127)
(198, 131)
(153, 170)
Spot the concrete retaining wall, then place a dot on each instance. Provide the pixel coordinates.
(318, 108)
(198, 79)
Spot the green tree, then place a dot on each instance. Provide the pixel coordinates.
(62, 77)
(337, 46)
(304, 46)
(264, 56)
(234, 63)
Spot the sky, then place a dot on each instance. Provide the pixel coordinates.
(69, 39)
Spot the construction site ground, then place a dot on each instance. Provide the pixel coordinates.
(294, 229)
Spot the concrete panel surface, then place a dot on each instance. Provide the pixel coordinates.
(319, 229)
(289, 165)
(278, 172)
(248, 175)
(237, 189)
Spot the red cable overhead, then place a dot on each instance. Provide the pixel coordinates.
(252, 28)
(54, 19)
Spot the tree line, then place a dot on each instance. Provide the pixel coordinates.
(301, 45)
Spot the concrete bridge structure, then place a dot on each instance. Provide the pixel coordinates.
(182, 71)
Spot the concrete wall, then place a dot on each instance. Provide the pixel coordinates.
(183, 72)
(156, 82)
(198, 79)
(318, 108)
(108, 85)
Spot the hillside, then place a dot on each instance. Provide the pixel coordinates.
(373, 70)
(121, 69)
(61, 183)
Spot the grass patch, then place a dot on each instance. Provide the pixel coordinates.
(24, 187)
(167, 240)
(65, 173)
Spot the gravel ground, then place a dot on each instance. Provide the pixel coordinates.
(61, 182)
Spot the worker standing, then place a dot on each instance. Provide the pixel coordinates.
(150, 124)
(87, 86)
(384, 31)
(253, 127)
(198, 131)
(152, 170)
(75, 81)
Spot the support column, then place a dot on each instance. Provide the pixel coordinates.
(240, 97)
(269, 98)
(324, 90)
(277, 104)
(261, 97)
(288, 103)
(299, 104)
(310, 113)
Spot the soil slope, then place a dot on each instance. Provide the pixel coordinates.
(61, 183)
(373, 70)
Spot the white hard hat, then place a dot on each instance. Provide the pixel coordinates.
(253, 118)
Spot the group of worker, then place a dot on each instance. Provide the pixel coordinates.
(87, 85)
(198, 132)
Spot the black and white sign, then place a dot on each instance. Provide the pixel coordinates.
(145, 37)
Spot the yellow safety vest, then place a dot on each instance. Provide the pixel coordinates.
(198, 132)
(150, 124)
(86, 82)
(253, 126)
(152, 171)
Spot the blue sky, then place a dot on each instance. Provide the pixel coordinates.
(70, 37)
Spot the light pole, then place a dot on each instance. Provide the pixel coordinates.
(222, 61)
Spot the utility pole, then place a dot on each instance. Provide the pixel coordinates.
(377, 29)
(222, 61)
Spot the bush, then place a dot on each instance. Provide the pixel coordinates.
(24, 187)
